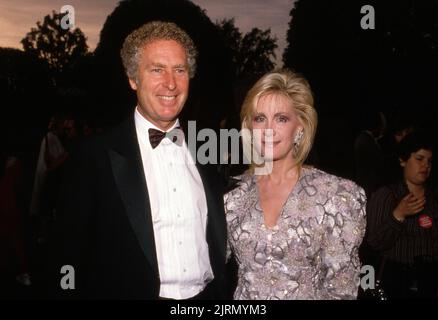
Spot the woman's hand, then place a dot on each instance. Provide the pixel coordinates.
(409, 206)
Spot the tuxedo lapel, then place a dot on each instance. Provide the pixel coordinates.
(127, 167)
(129, 176)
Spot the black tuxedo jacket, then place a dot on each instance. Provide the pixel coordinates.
(104, 226)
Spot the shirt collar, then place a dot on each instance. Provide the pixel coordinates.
(143, 125)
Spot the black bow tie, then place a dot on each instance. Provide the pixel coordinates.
(175, 135)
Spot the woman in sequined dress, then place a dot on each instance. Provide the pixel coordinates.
(294, 230)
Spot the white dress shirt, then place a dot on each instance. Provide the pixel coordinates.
(179, 214)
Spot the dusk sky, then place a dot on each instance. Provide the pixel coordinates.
(17, 17)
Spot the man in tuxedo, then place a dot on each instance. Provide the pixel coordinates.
(138, 219)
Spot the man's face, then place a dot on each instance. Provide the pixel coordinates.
(162, 82)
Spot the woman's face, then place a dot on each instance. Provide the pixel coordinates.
(417, 168)
(276, 123)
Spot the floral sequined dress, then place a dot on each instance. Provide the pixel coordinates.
(312, 252)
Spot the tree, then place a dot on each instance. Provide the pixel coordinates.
(323, 45)
(60, 48)
(25, 89)
(232, 37)
(393, 66)
(252, 53)
(372, 65)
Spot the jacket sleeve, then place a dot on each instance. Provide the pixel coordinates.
(340, 270)
(383, 228)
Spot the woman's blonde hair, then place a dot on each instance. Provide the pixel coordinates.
(294, 87)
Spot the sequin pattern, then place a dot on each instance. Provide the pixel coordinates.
(312, 252)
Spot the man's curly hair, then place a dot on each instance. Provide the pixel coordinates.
(155, 30)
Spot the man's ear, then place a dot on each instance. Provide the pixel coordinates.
(402, 162)
(133, 83)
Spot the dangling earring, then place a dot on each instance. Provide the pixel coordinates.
(297, 139)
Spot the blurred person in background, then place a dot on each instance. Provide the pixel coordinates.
(368, 152)
(13, 257)
(51, 156)
(402, 224)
